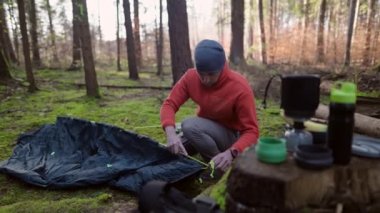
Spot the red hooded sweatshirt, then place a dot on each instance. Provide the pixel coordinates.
(229, 102)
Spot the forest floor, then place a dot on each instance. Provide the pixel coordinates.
(130, 109)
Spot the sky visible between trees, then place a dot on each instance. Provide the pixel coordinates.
(201, 10)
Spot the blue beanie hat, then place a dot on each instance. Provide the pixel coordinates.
(209, 56)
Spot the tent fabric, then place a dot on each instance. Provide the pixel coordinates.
(75, 152)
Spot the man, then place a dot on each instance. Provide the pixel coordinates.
(226, 120)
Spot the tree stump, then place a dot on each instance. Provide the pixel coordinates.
(253, 186)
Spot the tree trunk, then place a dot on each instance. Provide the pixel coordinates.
(65, 23)
(262, 30)
(334, 25)
(356, 19)
(179, 38)
(15, 30)
(127, 87)
(340, 27)
(76, 63)
(218, 20)
(271, 31)
(34, 34)
(254, 186)
(118, 64)
(8, 53)
(117, 35)
(375, 42)
(370, 19)
(251, 23)
(5, 75)
(237, 31)
(25, 46)
(300, 7)
(330, 18)
(320, 36)
(52, 34)
(160, 43)
(87, 55)
(3, 32)
(132, 66)
(276, 27)
(222, 20)
(347, 58)
(306, 8)
(136, 32)
(100, 36)
(156, 40)
(328, 14)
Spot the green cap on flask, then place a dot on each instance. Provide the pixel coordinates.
(343, 92)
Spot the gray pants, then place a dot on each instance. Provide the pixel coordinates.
(206, 136)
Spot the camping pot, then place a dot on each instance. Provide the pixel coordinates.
(299, 95)
(271, 150)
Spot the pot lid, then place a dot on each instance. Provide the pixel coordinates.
(365, 146)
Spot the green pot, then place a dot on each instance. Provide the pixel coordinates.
(271, 150)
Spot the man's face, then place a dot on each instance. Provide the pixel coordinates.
(208, 79)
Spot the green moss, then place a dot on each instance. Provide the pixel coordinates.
(218, 191)
(374, 94)
(271, 123)
(63, 205)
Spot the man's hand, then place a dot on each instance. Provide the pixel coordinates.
(175, 145)
(223, 160)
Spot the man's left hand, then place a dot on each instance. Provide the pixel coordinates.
(223, 160)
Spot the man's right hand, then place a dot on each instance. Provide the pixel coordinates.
(174, 142)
